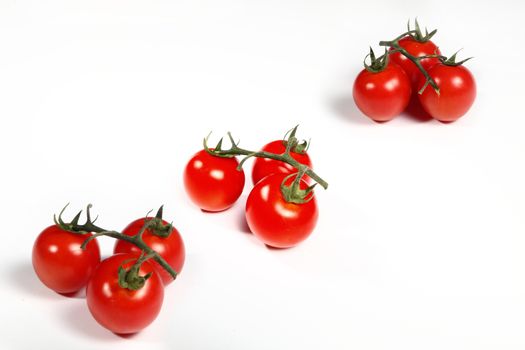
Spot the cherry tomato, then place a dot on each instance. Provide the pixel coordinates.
(417, 49)
(60, 263)
(263, 167)
(382, 95)
(457, 92)
(122, 310)
(274, 221)
(170, 248)
(213, 183)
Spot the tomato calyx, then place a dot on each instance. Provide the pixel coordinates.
(89, 227)
(451, 61)
(157, 226)
(376, 64)
(291, 143)
(417, 34)
(130, 278)
(295, 195)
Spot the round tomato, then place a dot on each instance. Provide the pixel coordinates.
(263, 167)
(384, 94)
(213, 183)
(415, 48)
(276, 222)
(170, 248)
(457, 92)
(60, 263)
(117, 308)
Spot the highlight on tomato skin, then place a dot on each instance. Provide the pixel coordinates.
(213, 183)
(118, 309)
(457, 92)
(60, 262)
(274, 221)
(170, 248)
(382, 95)
(263, 167)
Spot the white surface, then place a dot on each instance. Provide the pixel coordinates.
(421, 235)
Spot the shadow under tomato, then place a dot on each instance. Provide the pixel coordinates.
(214, 211)
(78, 318)
(126, 336)
(415, 111)
(269, 247)
(243, 224)
(81, 294)
(24, 278)
(346, 108)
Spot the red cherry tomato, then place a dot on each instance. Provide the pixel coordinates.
(274, 221)
(417, 49)
(457, 92)
(382, 95)
(263, 167)
(213, 183)
(170, 248)
(60, 263)
(121, 310)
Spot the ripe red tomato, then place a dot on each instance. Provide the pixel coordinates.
(171, 248)
(415, 48)
(274, 221)
(263, 167)
(457, 92)
(213, 183)
(60, 263)
(382, 95)
(122, 310)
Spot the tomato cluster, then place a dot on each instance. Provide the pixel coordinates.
(281, 209)
(124, 292)
(385, 88)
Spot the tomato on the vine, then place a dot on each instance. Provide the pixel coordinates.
(275, 221)
(263, 167)
(213, 183)
(417, 48)
(60, 262)
(457, 92)
(171, 248)
(382, 94)
(120, 309)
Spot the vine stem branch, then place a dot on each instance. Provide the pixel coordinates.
(284, 157)
(136, 239)
(394, 44)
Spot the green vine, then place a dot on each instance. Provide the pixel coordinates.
(292, 193)
(129, 278)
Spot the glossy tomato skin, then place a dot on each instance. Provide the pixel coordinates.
(274, 221)
(118, 309)
(171, 248)
(417, 49)
(382, 95)
(263, 167)
(60, 263)
(213, 183)
(457, 92)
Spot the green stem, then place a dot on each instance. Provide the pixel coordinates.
(285, 157)
(136, 240)
(416, 60)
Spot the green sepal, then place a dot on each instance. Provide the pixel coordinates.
(418, 34)
(130, 279)
(376, 64)
(293, 193)
(451, 61)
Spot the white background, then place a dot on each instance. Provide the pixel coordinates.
(420, 243)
